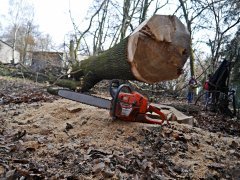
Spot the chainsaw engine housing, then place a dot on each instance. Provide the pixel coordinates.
(129, 105)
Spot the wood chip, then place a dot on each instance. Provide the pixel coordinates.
(74, 109)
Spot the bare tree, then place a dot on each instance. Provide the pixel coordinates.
(145, 6)
(192, 12)
(83, 33)
(223, 22)
(26, 40)
(99, 34)
(44, 42)
(19, 13)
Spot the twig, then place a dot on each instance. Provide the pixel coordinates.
(142, 89)
(19, 135)
(71, 73)
(37, 77)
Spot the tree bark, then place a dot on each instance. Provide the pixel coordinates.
(111, 64)
(156, 51)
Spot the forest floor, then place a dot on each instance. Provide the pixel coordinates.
(46, 137)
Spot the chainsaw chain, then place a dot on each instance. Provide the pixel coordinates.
(94, 96)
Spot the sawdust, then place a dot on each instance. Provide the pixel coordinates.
(93, 127)
(91, 124)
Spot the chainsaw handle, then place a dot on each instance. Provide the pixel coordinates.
(158, 112)
(114, 87)
(115, 94)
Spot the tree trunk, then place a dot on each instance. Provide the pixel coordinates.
(156, 51)
(111, 64)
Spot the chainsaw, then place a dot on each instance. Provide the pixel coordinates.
(126, 104)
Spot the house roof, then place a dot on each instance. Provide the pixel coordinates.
(47, 55)
(46, 52)
(6, 43)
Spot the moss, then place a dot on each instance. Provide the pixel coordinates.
(111, 64)
(67, 83)
(6, 71)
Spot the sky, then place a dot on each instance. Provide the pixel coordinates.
(52, 16)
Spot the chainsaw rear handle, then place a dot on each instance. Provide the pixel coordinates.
(159, 113)
(115, 89)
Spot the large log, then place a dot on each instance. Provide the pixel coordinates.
(156, 51)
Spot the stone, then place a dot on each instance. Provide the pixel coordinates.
(234, 145)
(235, 173)
(107, 173)
(2, 169)
(68, 126)
(234, 153)
(10, 174)
(50, 146)
(216, 166)
(98, 167)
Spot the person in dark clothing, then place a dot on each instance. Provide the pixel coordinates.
(192, 84)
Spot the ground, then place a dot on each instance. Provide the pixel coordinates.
(46, 137)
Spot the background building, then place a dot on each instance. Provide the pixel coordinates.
(6, 53)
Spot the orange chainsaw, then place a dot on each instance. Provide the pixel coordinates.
(125, 104)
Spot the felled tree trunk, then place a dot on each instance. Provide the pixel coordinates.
(156, 51)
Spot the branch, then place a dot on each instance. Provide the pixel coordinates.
(71, 73)
(185, 14)
(204, 8)
(157, 8)
(90, 24)
(230, 27)
(148, 90)
(176, 10)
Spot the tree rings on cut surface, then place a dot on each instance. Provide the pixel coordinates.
(158, 49)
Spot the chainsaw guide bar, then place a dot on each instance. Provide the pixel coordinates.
(85, 99)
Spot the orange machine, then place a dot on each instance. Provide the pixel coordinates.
(133, 106)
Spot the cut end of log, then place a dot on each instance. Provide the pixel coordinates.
(158, 49)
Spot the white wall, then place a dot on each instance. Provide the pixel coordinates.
(6, 53)
(81, 57)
